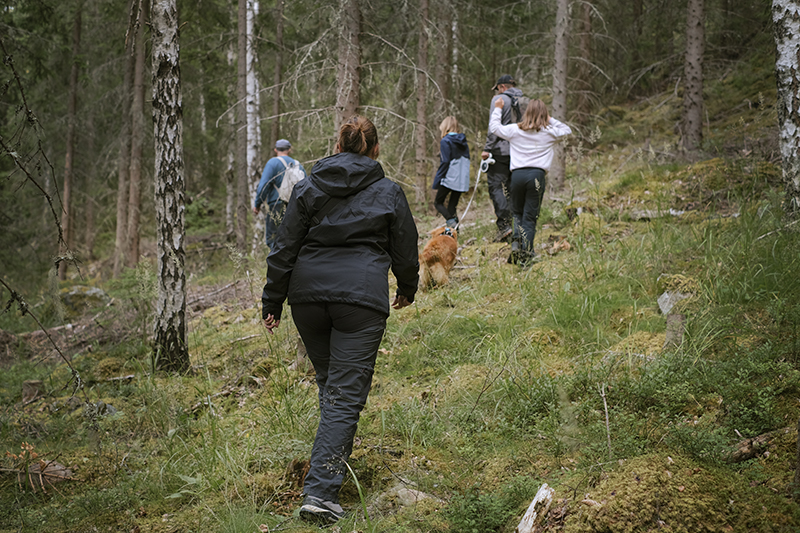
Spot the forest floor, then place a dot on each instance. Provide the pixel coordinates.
(565, 373)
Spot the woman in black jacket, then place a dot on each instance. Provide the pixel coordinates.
(345, 226)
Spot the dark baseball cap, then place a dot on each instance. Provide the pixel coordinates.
(282, 145)
(505, 79)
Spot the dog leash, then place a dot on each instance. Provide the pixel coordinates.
(484, 167)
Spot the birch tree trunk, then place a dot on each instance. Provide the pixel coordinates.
(348, 87)
(242, 189)
(124, 162)
(72, 105)
(786, 24)
(253, 122)
(555, 178)
(693, 74)
(170, 350)
(420, 133)
(275, 130)
(137, 142)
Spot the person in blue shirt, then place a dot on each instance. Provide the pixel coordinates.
(267, 191)
(452, 177)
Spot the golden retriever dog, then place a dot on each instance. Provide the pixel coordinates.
(438, 257)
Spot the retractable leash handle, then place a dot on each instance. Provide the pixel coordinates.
(484, 167)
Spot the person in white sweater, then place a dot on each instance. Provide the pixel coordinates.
(532, 141)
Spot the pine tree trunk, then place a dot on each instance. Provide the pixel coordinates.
(72, 105)
(693, 75)
(444, 60)
(230, 173)
(124, 162)
(420, 133)
(88, 190)
(137, 142)
(556, 175)
(230, 195)
(786, 24)
(242, 191)
(170, 349)
(584, 78)
(348, 87)
(89, 234)
(278, 77)
(638, 9)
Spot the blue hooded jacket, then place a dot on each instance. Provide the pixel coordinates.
(453, 171)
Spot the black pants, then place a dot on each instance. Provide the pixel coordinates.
(342, 341)
(499, 183)
(527, 191)
(448, 212)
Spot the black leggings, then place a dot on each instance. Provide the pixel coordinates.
(449, 211)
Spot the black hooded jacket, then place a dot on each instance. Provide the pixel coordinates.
(346, 257)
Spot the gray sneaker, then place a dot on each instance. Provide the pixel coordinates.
(320, 511)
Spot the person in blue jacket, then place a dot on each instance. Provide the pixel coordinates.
(452, 177)
(267, 191)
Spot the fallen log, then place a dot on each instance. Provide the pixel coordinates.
(755, 446)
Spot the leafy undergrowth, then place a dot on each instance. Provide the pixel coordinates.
(562, 373)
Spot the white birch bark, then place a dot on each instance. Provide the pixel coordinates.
(537, 510)
(170, 349)
(786, 24)
(253, 120)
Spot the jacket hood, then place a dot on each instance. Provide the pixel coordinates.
(345, 173)
(513, 91)
(459, 139)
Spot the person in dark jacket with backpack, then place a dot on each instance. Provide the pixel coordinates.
(267, 191)
(499, 175)
(346, 225)
(452, 177)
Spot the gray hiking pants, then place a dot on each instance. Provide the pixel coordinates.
(342, 341)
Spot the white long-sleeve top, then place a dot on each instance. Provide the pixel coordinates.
(529, 148)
